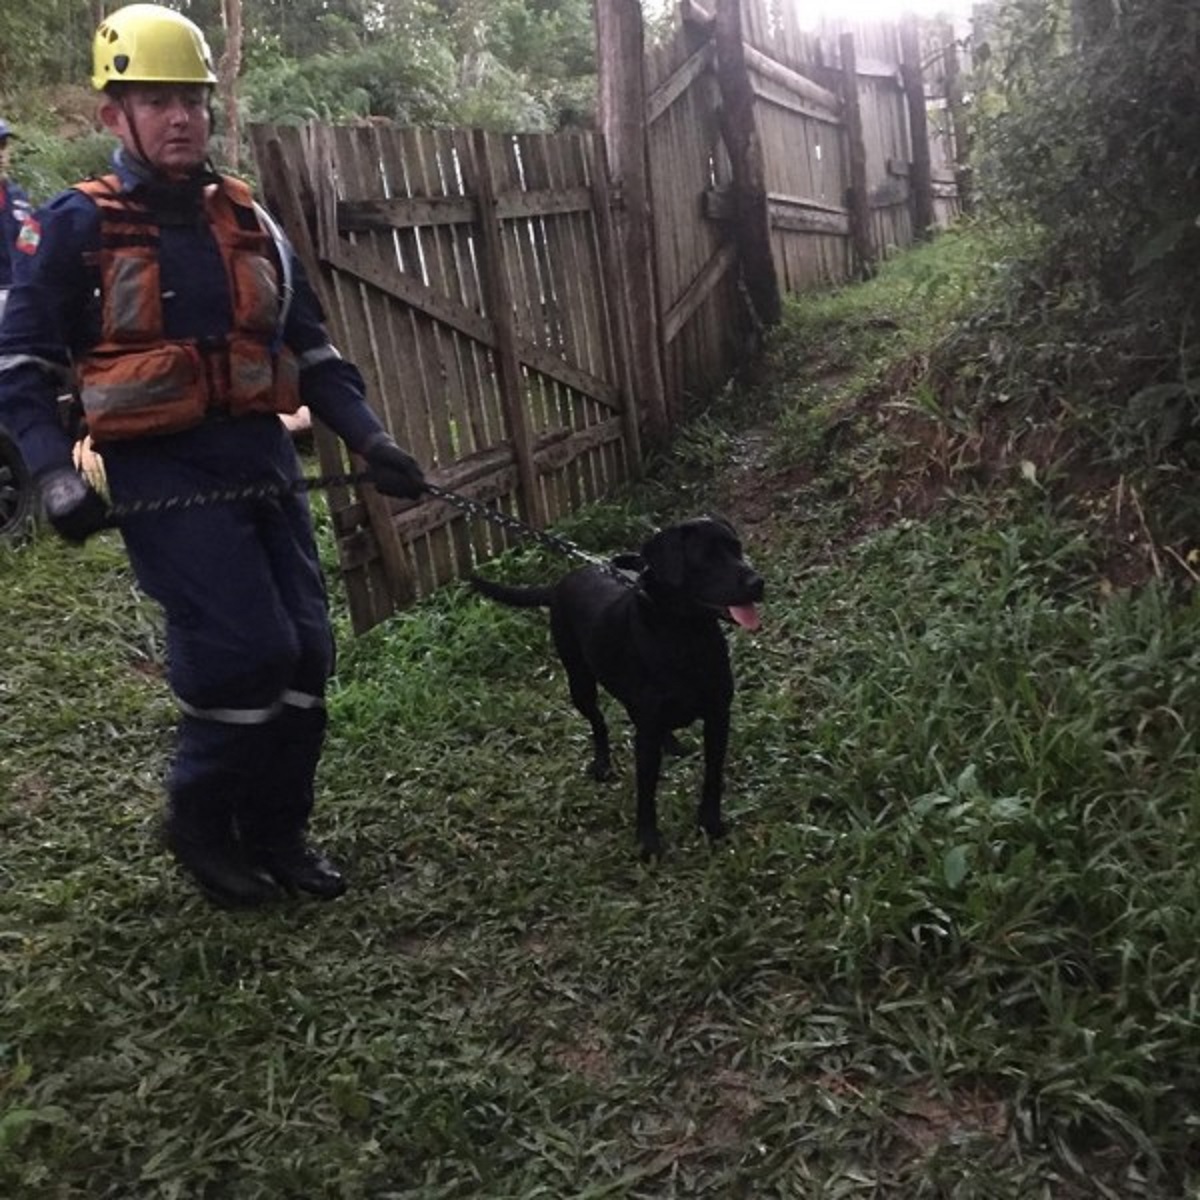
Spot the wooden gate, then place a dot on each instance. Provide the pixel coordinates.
(470, 277)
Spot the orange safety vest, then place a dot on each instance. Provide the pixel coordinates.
(135, 381)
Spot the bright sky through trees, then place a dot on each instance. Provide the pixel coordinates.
(812, 11)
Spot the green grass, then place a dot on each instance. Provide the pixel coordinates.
(948, 951)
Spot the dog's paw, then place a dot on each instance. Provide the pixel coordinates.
(650, 845)
(714, 827)
(600, 770)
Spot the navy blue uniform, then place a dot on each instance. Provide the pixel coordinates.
(14, 210)
(250, 646)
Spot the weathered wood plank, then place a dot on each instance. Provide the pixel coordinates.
(752, 229)
(712, 274)
(499, 308)
(796, 83)
(794, 103)
(352, 149)
(786, 212)
(668, 92)
(918, 125)
(555, 326)
(618, 333)
(856, 192)
(484, 479)
(622, 119)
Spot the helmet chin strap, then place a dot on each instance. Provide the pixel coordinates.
(161, 176)
(137, 137)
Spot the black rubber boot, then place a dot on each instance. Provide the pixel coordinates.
(273, 819)
(299, 867)
(208, 775)
(217, 866)
(198, 830)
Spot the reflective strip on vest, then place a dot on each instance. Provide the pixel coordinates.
(320, 354)
(115, 397)
(126, 293)
(302, 699)
(10, 362)
(231, 716)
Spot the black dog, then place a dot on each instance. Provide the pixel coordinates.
(658, 647)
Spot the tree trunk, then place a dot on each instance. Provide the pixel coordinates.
(227, 73)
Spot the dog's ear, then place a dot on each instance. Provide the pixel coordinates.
(724, 522)
(664, 555)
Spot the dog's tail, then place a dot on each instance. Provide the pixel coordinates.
(517, 597)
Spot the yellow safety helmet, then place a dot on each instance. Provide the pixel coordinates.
(147, 43)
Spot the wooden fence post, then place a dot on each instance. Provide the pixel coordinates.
(493, 276)
(620, 40)
(618, 314)
(753, 219)
(958, 119)
(857, 199)
(921, 174)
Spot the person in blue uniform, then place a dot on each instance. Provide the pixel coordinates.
(172, 304)
(14, 210)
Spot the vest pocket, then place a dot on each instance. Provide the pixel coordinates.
(132, 295)
(259, 381)
(255, 291)
(143, 392)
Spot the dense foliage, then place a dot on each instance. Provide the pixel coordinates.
(1089, 118)
(505, 64)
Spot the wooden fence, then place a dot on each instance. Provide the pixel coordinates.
(469, 276)
(525, 317)
(852, 166)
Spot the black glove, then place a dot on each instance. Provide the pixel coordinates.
(393, 472)
(72, 506)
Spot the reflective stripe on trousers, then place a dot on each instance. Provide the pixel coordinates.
(252, 716)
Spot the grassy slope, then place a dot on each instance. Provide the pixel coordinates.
(949, 950)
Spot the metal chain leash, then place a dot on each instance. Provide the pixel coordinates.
(552, 541)
(266, 489)
(262, 490)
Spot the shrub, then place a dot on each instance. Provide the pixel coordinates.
(1087, 131)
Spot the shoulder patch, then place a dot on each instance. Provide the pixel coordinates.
(30, 236)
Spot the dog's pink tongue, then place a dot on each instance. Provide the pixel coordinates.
(746, 615)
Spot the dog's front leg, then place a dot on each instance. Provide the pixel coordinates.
(648, 750)
(716, 742)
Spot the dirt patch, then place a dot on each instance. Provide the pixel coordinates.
(587, 1057)
(31, 795)
(928, 1121)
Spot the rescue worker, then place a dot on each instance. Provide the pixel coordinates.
(14, 211)
(173, 304)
